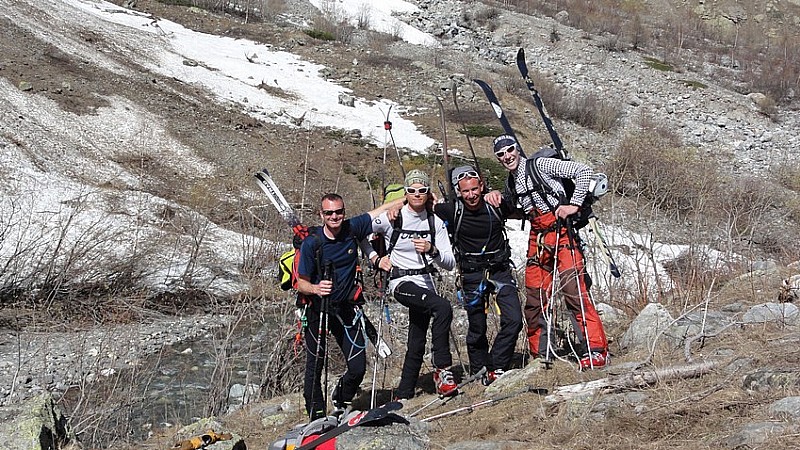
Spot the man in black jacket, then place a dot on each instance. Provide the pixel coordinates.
(485, 267)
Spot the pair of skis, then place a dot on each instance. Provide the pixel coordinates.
(371, 416)
(557, 143)
(267, 184)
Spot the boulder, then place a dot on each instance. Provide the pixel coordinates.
(651, 321)
(782, 313)
(37, 424)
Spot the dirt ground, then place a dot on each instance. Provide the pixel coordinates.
(686, 414)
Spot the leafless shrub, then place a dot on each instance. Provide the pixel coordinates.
(768, 107)
(364, 16)
(648, 163)
(396, 30)
(333, 22)
(381, 58)
(744, 204)
(250, 10)
(788, 174)
(65, 253)
(593, 111)
(510, 81)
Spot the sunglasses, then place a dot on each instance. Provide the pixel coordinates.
(419, 190)
(502, 152)
(330, 212)
(467, 174)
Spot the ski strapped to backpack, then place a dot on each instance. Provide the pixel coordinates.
(537, 100)
(448, 192)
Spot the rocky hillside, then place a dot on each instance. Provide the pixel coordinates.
(127, 162)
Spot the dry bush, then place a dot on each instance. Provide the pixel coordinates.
(482, 15)
(593, 111)
(334, 23)
(250, 10)
(510, 81)
(364, 16)
(70, 253)
(651, 163)
(744, 204)
(588, 110)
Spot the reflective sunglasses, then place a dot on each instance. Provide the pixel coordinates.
(467, 174)
(502, 152)
(330, 212)
(419, 190)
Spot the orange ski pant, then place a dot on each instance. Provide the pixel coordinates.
(544, 253)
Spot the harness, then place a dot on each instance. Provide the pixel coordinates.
(397, 273)
(397, 230)
(540, 186)
(470, 262)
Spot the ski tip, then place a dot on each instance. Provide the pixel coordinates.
(521, 54)
(393, 406)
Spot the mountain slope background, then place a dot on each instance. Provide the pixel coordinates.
(128, 189)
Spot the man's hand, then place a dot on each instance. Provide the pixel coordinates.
(384, 263)
(392, 213)
(324, 288)
(421, 245)
(564, 211)
(493, 198)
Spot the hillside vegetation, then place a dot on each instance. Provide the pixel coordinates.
(149, 208)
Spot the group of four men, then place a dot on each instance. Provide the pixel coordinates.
(418, 239)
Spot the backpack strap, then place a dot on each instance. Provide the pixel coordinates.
(432, 227)
(397, 227)
(458, 215)
(541, 187)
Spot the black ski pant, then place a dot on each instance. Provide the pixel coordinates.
(476, 289)
(347, 327)
(423, 305)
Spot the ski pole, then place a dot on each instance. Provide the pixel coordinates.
(387, 125)
(573, 241)
(555, 281)
(606, 252)
(490, 401)
(443, 399)
(327, 274)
